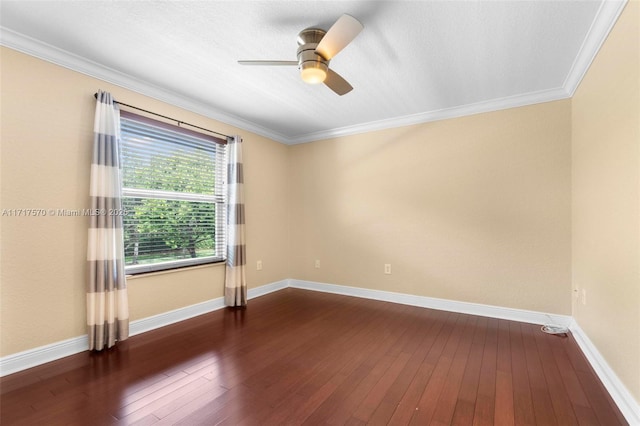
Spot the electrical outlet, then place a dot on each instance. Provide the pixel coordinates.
(317, 264)
(259, 265)
(387, 268)
(584, 296)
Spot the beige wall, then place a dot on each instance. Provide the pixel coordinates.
(509, 208)
(473, 209)
(46, 137)
(606, 199)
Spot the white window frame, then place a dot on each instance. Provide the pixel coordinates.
(219, 199)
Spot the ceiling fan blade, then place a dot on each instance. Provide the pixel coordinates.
(268, 63)
(339, 36)
(336, 83)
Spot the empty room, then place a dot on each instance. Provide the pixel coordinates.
(320, 212)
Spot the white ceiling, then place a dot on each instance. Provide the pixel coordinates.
(415, 61)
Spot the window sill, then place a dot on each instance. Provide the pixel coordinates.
(175, 270)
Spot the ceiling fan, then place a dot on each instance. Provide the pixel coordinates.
(316, 47)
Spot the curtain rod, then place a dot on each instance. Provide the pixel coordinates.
(95, 95)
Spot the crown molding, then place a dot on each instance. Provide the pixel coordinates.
(442, 114)
(63, 58)
(604, 21)
(601, 26)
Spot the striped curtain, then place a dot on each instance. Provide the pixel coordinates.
(235, 292)
(107, 302)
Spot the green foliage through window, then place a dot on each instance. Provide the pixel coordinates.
(173, 193)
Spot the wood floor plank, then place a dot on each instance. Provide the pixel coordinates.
(503, 413)
(299, 357)
(601, 405)
(569, 378)
(173, 396)
(559, 398)
(338, 407)
(425, 325)
(485, 400)
(542, 405)
(379, 390)
(408, 405)
(373, 390)
(427, 406)
(467, 396)
(446, 404)
(522, 398)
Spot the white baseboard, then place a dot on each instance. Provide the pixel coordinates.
(166, 318)
(33, 357)
(624, 400)
(521, 315)
(266, 289)
(181, 314)
(620, 394)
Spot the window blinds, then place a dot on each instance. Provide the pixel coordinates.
(174, 196)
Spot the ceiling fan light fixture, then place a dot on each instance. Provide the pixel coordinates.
(313, 73)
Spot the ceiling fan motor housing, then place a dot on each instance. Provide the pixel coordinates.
(309, 61)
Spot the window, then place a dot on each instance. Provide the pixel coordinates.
(173, 195)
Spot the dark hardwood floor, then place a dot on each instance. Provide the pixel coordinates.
(300, 357)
